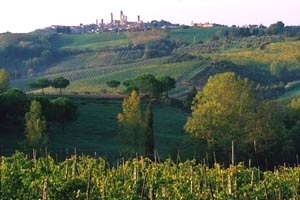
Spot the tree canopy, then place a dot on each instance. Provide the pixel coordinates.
(113, 83)
(150, 85)
(35, 126)
(166, 83)
(220, 111)
(12, 106)
(159, 48)
(130, 121)
(62, 110)
(40, 83)
(60, 82)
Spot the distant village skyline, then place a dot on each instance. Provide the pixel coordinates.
(118, 23)
(29, 15)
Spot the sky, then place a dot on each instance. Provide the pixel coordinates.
(22, 16)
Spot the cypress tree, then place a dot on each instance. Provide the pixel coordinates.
(149, 144)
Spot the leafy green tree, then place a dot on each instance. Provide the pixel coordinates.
(269, 137)
(220, 112)
(35, 126)
(62, 110)
(275, 29)
(130, 120)
(159, 48)
(40, 83)
(149, 135)
(148, 84)
(3, 80)
(113, 83)
(166, 83)
(46, 105)
(127, 82)
(60, 82)
(292, 123)
(12, 106)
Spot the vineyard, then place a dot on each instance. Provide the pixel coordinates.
(286, 52)
(91, 79)
(83, 177)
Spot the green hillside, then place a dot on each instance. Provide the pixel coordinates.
(190, 55)
(89, 61)
(91, 41)
(196, 35)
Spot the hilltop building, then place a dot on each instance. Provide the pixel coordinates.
(114, 25)
(205, 25)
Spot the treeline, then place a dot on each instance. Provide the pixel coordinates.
(228, 113)
(37, 112)
(14, 104)
(277, 28)
(230, 122)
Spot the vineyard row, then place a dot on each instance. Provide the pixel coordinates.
(83, 177)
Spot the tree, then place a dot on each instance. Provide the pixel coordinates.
(35, 126)
(127, 82)
(148, 84)
(220, 111)
(166, 83)
(291, 120)
(160, 48)
(3, 80)
(12, 106)
(62, 110)
(149, 135)
(132, 136)
(60, 82)
(268, 135)
(275, 29)
(40, 83)
(113, 83)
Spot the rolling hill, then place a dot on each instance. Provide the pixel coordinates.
(90, 60)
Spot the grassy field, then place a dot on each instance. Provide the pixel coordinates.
(96, 130)
(195, 35)
(104, 41)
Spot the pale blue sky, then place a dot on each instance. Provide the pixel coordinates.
(28, 15)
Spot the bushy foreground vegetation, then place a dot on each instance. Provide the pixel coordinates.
(83, 177)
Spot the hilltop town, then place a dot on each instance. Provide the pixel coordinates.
(116, 25)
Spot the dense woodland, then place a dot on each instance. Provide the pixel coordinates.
(237, 87)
